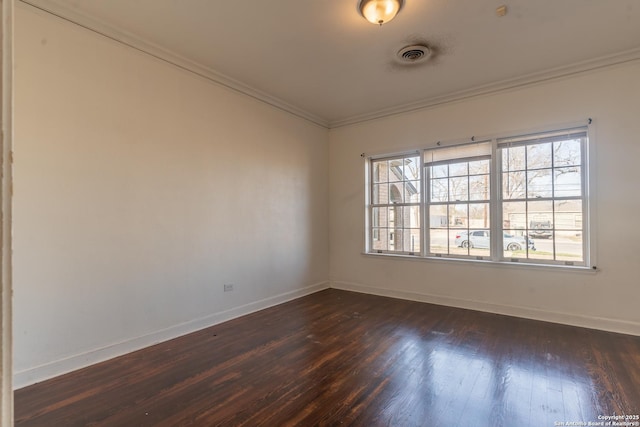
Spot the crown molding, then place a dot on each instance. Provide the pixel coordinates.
(71, 15)
(503, 85)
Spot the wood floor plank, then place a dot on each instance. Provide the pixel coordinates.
(342, 358)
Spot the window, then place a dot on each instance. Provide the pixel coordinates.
(513, 199)
(459, 188)
(395, 205)
(543, 194)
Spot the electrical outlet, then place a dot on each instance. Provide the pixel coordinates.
(228, 287)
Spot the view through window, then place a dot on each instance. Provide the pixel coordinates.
(395, 205)
(543, 195)
(459, 188)
(519, 199)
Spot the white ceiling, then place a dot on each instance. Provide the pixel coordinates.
(321, 60)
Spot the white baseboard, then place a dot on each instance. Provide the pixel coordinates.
(591, 322)
(78, 361)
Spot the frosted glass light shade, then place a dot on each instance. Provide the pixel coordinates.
(379, 11)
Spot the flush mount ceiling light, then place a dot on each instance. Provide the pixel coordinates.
(379, 11)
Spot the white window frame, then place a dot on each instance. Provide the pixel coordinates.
(371, 205)
(497, 254)
(427, 192)
(583, 197)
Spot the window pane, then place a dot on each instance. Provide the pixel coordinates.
(514, 215)
(440, 171)
(543, 244)
(403, 242)
(544, 249)
(480, 251)
(438, 217)
(539, 183)
(479, 167)
(477, 241)
(396, 191)
(567, 153)
(515, 244)
(379, 217)
(458, 169)
(567, 182)
(540, 220)
(412, 168)
(416, 239)
(410, 240)
(540, 229)
(380, 194)
(440, 190)
(539, 156)
(568, 215)
(462, 239)
(539, 212)
(412, 192)
(455, 248)
(380, 239)
(569, 246)
(395, 170)
(391, 239)
(458, 216)
(513, 159)
(411, 217)
(479, 186)
(459, 188)
(395, 217)
(514, 185)
(479, 216)
(380, 172)
(391, 216)
(439, 241)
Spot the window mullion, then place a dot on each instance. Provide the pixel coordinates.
(586, 213)
(424, 212)
(428, 204)
(495, 206)
(368, 238)
(448, 208)
(469, 216)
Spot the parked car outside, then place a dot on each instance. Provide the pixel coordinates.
(540, 229)
(481, 239)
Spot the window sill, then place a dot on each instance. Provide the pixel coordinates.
(486, 263)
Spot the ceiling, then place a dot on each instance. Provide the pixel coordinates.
(321, 60)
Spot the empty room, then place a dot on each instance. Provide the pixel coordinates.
(328, 212)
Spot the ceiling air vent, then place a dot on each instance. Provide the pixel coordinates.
(414, 53)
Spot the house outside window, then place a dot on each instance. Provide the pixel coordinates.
(394, 211)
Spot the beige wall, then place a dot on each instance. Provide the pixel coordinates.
(140, 189)
(607, 299)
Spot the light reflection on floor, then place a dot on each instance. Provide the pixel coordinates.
(442, 381)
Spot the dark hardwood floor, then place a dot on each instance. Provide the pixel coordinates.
(342, 358)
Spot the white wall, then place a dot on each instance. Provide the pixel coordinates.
(607, 299)
(140, 189)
